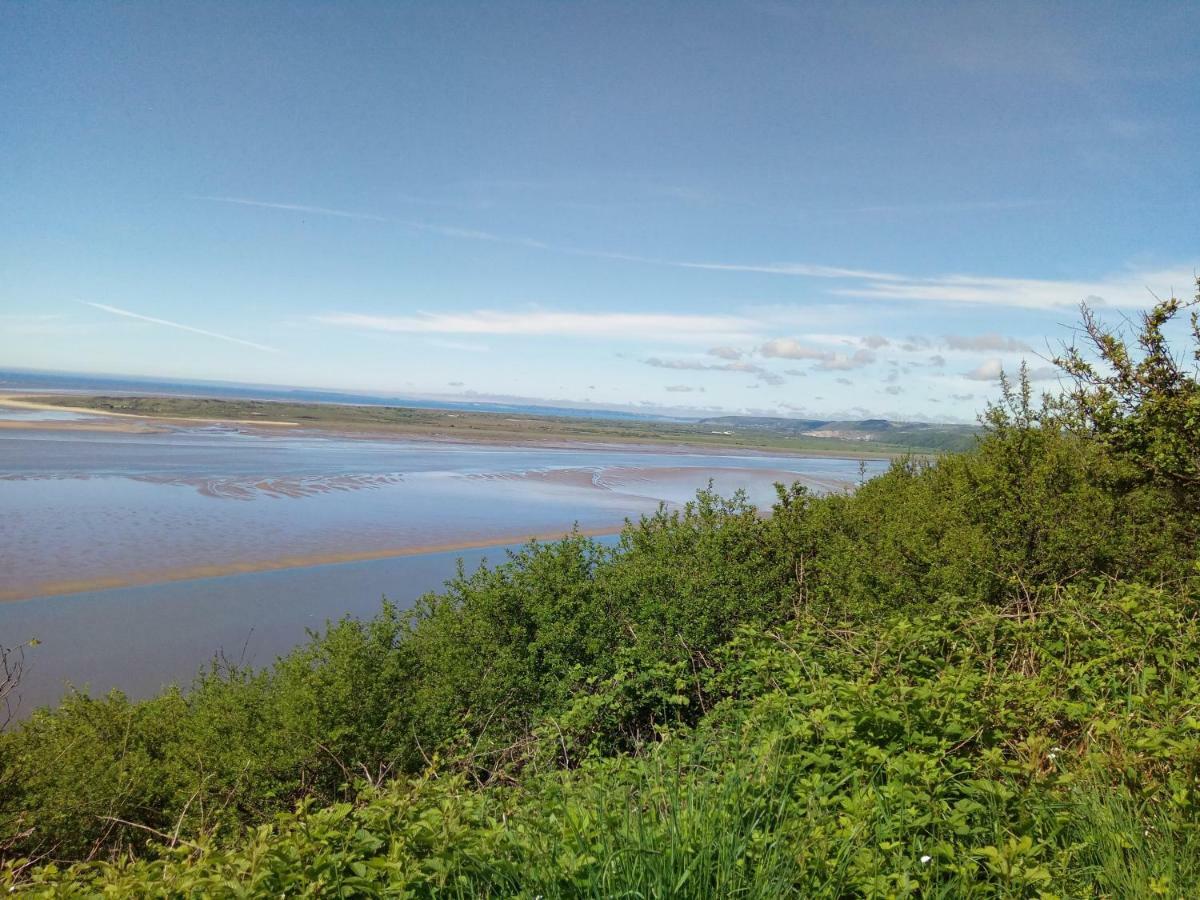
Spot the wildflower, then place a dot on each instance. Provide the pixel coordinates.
(925, 860)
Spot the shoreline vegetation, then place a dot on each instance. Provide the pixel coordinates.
(869, 440)
(977, 675)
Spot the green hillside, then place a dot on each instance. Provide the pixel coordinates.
(976, 676)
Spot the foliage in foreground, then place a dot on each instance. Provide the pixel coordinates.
(970, 753)
(975, 677)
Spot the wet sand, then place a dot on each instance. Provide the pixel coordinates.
(135, 547)
(88, 512)
(95, 425)
(670, 485)
(21, 402)
(140, 639)
(440, 432)
(138, 579)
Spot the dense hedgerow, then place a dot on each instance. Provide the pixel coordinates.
(971, 752)
(975, 676)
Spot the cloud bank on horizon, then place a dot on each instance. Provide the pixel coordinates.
(828, 212)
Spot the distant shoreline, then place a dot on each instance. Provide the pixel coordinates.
(143, 414)
(21, 401)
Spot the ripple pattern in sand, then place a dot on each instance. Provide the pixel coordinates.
(240, 487)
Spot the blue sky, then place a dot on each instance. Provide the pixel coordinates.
(798, 209)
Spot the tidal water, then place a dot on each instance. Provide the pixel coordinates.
(140, 639)
(152, 514)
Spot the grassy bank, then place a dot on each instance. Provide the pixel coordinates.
(517, 428)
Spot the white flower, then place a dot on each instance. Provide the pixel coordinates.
(925, 860)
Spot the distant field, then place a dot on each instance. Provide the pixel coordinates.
(872, 438)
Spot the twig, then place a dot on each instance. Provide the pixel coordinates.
(154, 831)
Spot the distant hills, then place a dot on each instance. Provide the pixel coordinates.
(883, 434)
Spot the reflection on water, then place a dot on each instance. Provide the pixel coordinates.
(15, 414)
(82, 510)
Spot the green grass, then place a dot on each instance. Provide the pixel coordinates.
(505, 427)
(957, 754)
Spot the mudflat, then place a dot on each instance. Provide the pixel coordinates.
(135, 578)
(177, 500)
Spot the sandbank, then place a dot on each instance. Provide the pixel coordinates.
(217, 570)
(17, 403)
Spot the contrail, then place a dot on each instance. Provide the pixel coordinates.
(117, 311)
(296, 207)
(1122, 289)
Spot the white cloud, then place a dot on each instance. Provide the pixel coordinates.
(116, 311)
(1044, 373)
(988, 370)
(700, 365)
(840, 362)
(747, 368)
(684, 389)
(827, 360)
(790, 348)
(982, 343)
(726, 352)
(1127, 289)
(538, 322)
